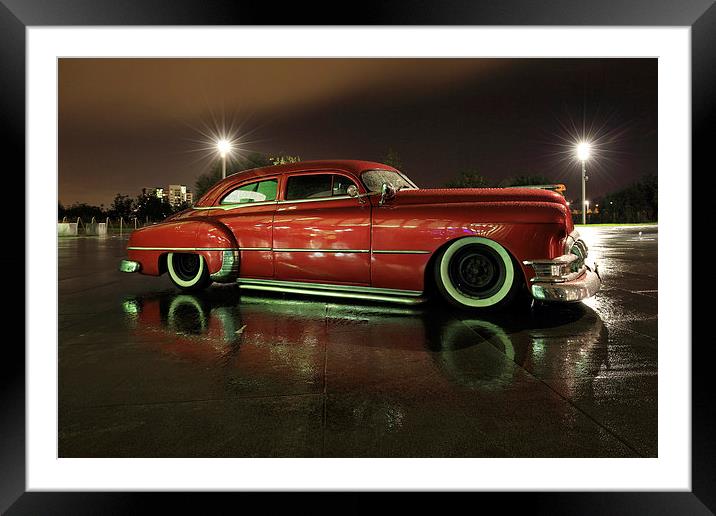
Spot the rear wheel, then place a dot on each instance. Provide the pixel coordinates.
(476, 273)
(188, 271)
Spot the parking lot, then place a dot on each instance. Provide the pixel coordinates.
(146, 371)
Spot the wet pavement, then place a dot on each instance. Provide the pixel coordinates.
(146, 371)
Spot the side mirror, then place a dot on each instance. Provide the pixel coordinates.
(387, 194)
(352, 191)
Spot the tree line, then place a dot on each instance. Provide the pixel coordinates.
(142, 207)
(470, 178)
(635, 203)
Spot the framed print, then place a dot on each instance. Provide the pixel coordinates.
(419, 252)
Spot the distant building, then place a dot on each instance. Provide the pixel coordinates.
(173, 194)
(154, 191)
(178, 194)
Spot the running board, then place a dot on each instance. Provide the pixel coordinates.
(405, 297)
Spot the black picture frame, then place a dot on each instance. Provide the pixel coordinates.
(17, 15)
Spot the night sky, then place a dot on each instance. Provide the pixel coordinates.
(125, 124)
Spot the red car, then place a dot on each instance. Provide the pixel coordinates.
(364, 230)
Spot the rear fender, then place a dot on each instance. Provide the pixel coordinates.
(209, 238)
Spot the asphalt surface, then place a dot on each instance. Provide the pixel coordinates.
(145, 371)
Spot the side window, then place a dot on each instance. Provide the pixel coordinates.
(316, 186)
(308, 187)
(253, 192)
(341, 184)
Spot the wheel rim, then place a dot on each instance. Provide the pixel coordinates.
(186, 270)
(477, 271)
(186, 266)
(476, 282)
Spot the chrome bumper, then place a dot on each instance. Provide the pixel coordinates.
(566, 278)
(577, 289)
(129, 266)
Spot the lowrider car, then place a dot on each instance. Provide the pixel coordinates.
(364, 230)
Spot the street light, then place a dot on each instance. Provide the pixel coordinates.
(583, 152)
(224, 147)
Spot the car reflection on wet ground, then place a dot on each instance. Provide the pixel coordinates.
(146, 371)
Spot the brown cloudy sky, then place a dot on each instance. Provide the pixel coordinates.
(129, 123)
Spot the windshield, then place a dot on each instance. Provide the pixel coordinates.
(374, 179)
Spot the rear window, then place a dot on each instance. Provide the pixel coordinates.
(253, 192)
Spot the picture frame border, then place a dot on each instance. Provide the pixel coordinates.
(17, 15)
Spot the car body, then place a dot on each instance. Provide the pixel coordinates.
(362, 229)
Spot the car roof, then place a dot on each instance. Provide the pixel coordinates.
(347, 165)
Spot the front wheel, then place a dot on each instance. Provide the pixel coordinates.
(188, 271)
(476, 273)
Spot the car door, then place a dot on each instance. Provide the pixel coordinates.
(248, 209)
(320, 233)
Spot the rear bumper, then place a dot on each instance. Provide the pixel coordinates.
(571, 291)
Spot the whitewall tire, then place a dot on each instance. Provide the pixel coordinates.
(188, 271)
(476, 273)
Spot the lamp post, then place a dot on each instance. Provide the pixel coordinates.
(583, 151)
(224, 147)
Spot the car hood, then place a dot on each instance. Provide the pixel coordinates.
(477, 195)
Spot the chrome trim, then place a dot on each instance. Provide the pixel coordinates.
(570, 240)
(282, 250)
(318, 199)
(559, 279)
(568, 292)
(332, 286)
(398, 251)
(129, 266)
(565, 259)
(410, 297)
(185, 248)
(569, 261)
(229, 268)
(582, 248)
(544, 276)
(305, 250)
(387, 194)
(227, 207)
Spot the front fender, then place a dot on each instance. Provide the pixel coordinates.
(207, 237)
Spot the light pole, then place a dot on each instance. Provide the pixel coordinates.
(224, 147)
(583, 150)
